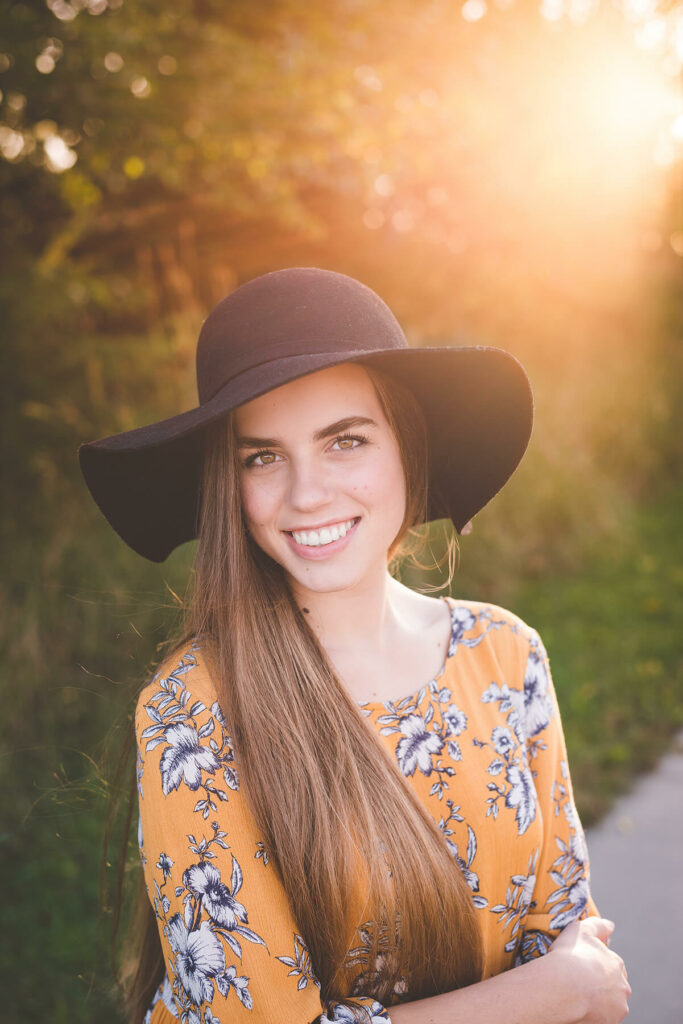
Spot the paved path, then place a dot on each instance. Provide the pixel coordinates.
(636, 856)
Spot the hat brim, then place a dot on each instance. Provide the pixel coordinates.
(477, 403)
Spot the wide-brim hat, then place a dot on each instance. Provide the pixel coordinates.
(476, 400)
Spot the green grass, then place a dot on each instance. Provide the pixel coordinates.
(50, 954)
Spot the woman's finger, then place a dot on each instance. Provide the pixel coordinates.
(600, 927)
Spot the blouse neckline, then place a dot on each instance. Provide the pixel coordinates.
(450, 651)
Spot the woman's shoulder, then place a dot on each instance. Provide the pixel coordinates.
(504, 654)
(485, 627)
(183, 743)
(491, 617)
(184, 677)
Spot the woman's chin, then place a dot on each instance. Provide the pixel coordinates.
(322, 580)
(330, 577)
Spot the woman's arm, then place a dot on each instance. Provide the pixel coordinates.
(579, 981)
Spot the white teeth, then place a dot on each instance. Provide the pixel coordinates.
(328, 534)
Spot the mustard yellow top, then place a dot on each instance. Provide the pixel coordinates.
(481, 745)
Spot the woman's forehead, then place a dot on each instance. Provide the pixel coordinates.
(328, 394)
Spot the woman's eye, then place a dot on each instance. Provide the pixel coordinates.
(261, 459)
(348, 443)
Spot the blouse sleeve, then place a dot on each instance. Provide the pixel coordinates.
(232, 949)
(562, 877)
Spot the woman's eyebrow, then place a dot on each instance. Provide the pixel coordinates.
(348, 423)
(257, 442)
(338, 427)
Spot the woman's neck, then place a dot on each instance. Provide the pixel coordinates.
(363, 619)
(384, 640)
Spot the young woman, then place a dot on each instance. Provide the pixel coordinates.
(354, 798)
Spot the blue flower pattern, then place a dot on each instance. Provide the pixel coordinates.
(199, 905)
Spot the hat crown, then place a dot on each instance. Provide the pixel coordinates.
(293, 312)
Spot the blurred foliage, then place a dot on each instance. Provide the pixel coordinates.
(501, 175)
(112, 110)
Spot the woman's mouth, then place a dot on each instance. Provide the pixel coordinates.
(323, 540)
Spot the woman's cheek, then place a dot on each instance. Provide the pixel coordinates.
(255, 503)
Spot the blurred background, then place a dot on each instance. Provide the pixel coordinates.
(502, 172)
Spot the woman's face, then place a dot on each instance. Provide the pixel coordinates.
(322, 482)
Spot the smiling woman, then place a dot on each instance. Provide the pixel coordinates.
(354, 798)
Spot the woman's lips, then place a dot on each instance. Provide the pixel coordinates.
(321, 551)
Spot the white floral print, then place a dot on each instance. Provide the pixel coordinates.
(417, 746)
(184, 759)
(199, 958)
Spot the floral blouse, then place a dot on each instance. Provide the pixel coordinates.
(483, 748)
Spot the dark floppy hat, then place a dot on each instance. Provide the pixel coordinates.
(477, 402)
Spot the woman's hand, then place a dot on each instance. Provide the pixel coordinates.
(594, 972)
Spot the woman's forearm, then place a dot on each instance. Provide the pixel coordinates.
(580, 980)
(524, 995)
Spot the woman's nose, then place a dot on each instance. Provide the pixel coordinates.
(309, 486)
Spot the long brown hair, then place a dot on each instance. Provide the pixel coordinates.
(355, 847)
